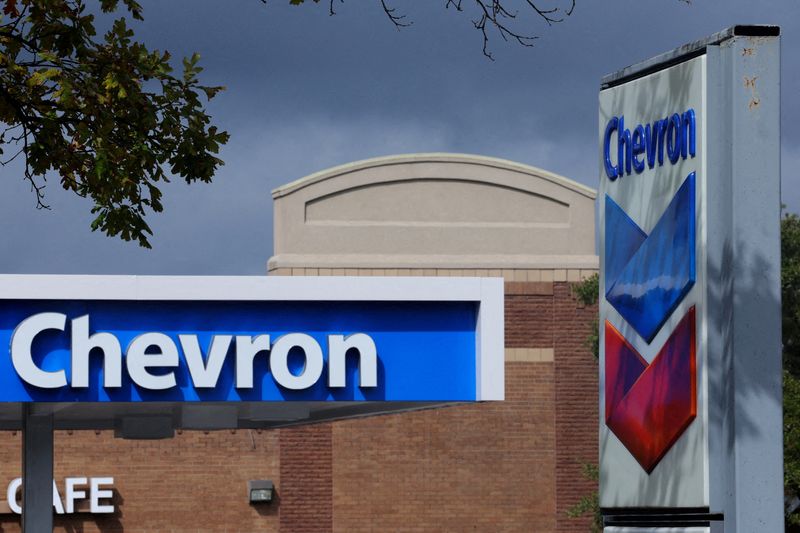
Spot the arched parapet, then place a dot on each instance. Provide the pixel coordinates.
(434, 211)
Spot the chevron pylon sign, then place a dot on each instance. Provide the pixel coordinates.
(690, 402)
(652, 416)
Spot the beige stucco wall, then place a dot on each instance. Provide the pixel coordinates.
(435, 214)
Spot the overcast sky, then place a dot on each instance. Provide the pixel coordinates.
(306, 91)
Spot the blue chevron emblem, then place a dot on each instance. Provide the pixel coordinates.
(647, 276)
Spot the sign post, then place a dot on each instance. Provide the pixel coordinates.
(37, 470)
(690, 335)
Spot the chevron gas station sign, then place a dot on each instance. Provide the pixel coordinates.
(690, 404)
(651, 283)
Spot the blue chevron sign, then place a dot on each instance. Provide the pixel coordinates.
(647, 276)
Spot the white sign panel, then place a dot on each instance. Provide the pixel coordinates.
(653, 443)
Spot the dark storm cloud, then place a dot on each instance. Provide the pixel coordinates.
(306, 91)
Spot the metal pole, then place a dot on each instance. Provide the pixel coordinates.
(746, 448)
(757, 450)
(37, 471)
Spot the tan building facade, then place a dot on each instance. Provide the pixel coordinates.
(500, 466)
(427, 214)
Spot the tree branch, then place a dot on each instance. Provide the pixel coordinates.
(394, 17)
(496, 14)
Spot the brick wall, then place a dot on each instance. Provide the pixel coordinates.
(194, 482)
(487, 467)
(529, 317)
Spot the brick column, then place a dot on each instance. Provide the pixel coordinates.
(576, 405)
(306, 492)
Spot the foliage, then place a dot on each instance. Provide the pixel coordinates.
(790, 292)
(105, 114)
(791, 444)
(587, 292)
(589, 504)
(790, 296)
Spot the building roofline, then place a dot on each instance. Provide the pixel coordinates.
(434, 157)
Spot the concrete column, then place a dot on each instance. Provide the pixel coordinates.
(37, 471)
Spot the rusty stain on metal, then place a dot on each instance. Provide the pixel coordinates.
(750, 83)
(748, 51)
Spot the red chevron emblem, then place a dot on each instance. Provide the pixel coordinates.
(648, 407)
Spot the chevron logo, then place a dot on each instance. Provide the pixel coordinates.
(649, 406)
(647, 276)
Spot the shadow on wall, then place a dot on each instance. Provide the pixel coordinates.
(105, 523)
(271, 508)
